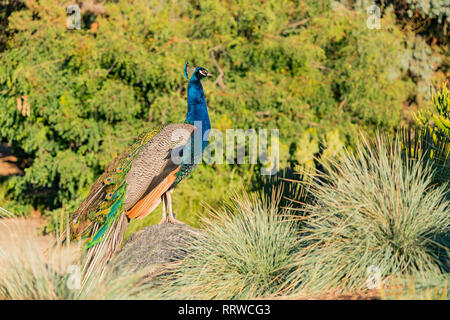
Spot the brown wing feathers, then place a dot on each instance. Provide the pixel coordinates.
(153, 172)
(146, 205)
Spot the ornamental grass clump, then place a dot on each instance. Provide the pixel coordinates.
(245, 251)
(378, 214)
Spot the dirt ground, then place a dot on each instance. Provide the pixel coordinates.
(14, 230)
(19, 229)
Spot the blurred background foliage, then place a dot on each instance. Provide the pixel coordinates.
(73, 99)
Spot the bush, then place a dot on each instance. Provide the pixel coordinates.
(439, 116)
(429, 9)
(432, 141)
(378, 211)
(245, 251)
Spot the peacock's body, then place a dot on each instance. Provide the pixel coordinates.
(140, 178)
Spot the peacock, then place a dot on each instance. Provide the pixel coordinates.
(140, 178)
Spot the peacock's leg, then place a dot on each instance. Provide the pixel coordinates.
(164, 215)
(171, 218)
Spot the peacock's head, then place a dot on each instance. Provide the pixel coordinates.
(198, 72)
(201, 73)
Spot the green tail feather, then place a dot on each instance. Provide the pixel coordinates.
(108, 210)
(114, 214)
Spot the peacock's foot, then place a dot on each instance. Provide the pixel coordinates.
(163, 220)
(174, 221)
(170, 220)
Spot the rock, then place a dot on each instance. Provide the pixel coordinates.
(154, 246)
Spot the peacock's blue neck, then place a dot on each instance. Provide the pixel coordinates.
(197, 113)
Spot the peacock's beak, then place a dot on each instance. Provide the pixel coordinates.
(209, 74)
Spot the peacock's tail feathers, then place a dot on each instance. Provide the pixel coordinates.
(100, 252)
(100, 220)
(104, 204)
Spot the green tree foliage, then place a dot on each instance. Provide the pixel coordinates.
(432, 147)
(73, 99)
(429, 18)
(441, 102)
(6, 8)
(432, 141)
(437, 10)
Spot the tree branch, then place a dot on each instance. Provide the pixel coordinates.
(219, 79)
(293, 25)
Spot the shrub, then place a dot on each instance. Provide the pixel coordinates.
(432, 141)
(377, 212)
(439, 116)
(432, 147)
(244, 252)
